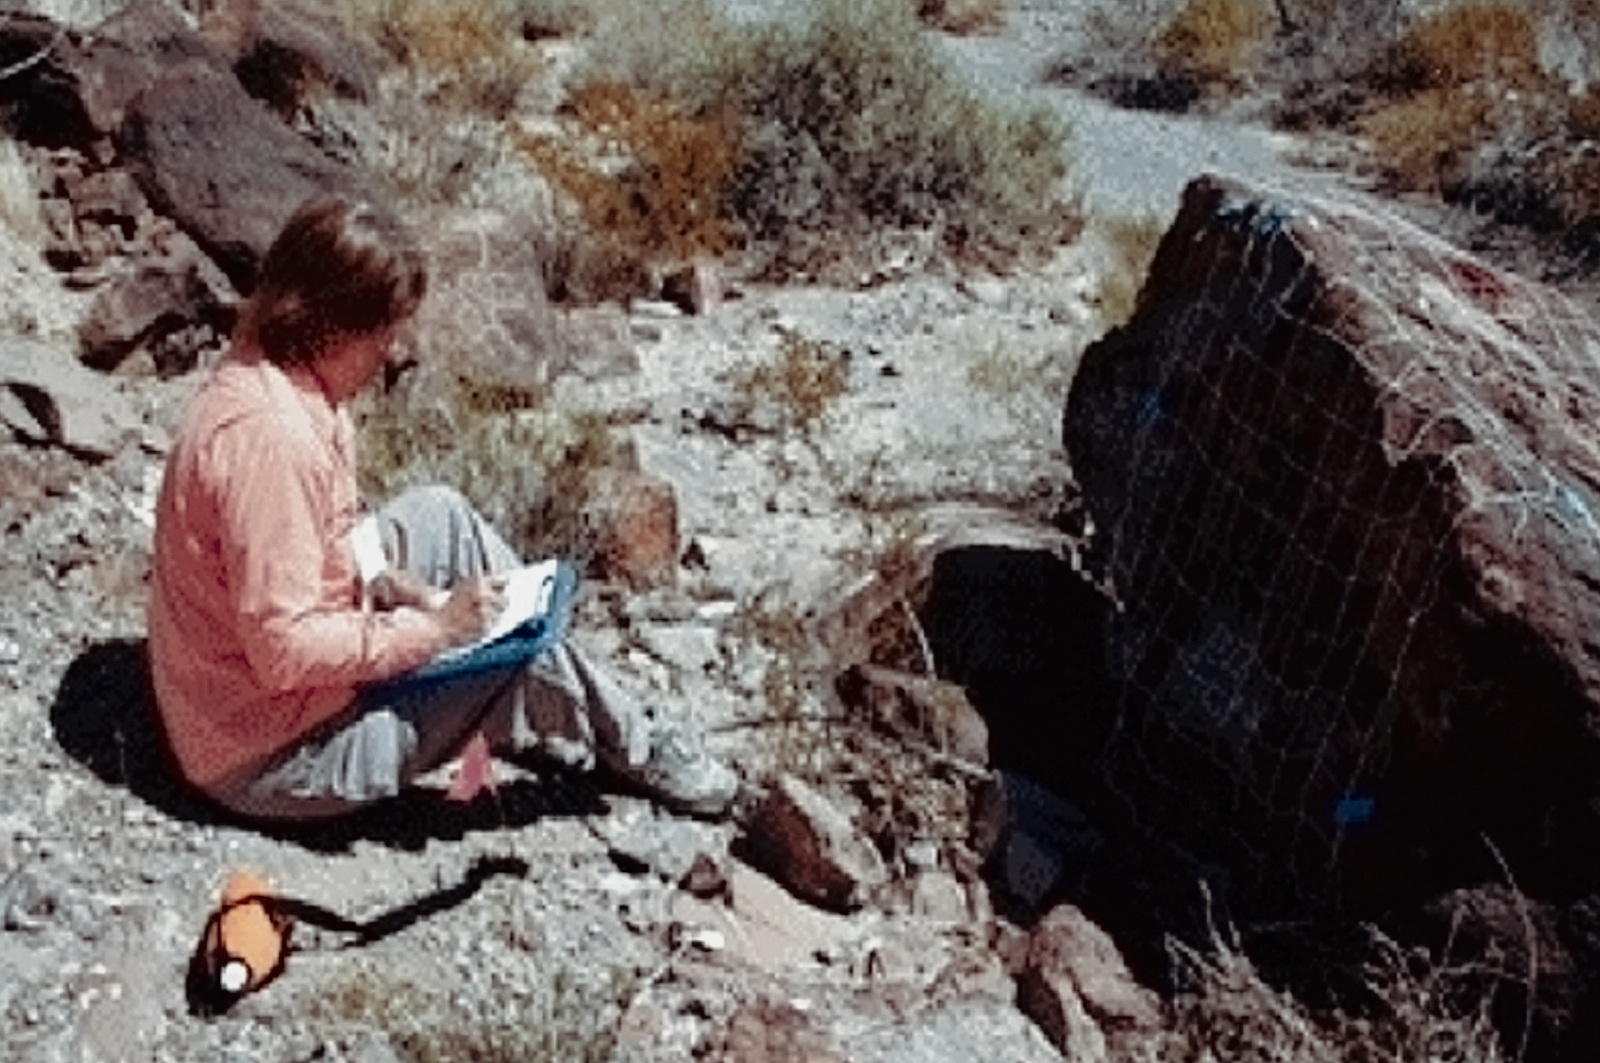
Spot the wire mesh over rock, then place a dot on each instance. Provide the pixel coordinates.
(1343, 480)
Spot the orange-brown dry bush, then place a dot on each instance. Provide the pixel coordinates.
(1214, 40)
(1486, 40)
(473, 47)
(664, 192)
(1450, 84)
(1419, 138)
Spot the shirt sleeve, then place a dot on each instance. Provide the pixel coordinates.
(283, 547)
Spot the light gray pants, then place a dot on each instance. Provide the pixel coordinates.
(559, 706)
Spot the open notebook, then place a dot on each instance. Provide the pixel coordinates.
(538, 608)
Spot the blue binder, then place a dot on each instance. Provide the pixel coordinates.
(512, 650)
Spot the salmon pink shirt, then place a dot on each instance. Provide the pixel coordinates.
(257, 634)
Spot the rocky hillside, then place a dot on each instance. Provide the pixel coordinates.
(831, 523)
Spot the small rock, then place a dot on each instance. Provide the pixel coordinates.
(769, 1031)
(1060, 1013)
(46, 396)
(922, 855)
(706, 878)
(813, 848)
(1067, 951)
(659, 310)
(990, 291)
(694, 289)
(764, 925)
(637, 516)
(688, 647)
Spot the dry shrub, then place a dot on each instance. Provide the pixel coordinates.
(529, 469)
(472, 48)
(564, 1017)
(667, 172)
(1130, 244)
(1421, 139)
(1465, 93)
(1486, 40)
(1417, 1010)
(962, 16)
(849, 120)
(1215, 40)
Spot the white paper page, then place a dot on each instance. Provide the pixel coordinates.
(527, 593)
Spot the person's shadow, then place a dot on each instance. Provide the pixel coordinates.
(104, 717)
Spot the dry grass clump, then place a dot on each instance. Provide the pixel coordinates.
(1416, 1010)
(1130, 246)
(529, 469)
(846, 120)
(472, 49)
(1215, 41)
(559, 1020)
(804, 380)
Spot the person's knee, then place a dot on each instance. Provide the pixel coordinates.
(439, 498)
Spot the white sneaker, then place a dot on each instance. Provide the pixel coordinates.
(682, 775)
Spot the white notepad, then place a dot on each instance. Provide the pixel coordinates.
(527, 589)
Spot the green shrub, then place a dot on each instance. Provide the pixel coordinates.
(848, 118)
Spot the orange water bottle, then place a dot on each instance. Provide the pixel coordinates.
(248, 941)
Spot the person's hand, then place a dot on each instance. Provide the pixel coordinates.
(471, 608)
(395, 588)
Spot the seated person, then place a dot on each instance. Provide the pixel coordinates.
(265, 652)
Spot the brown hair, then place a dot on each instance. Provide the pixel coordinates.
(340, 267)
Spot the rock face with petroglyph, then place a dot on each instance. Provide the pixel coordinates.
(1345, 484)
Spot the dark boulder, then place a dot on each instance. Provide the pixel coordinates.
(282, 50)
(75, 88)
(1344, 485)
(173, 306)
(487, 317)
(222, 165)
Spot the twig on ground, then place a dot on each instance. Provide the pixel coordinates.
(1533, 946)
